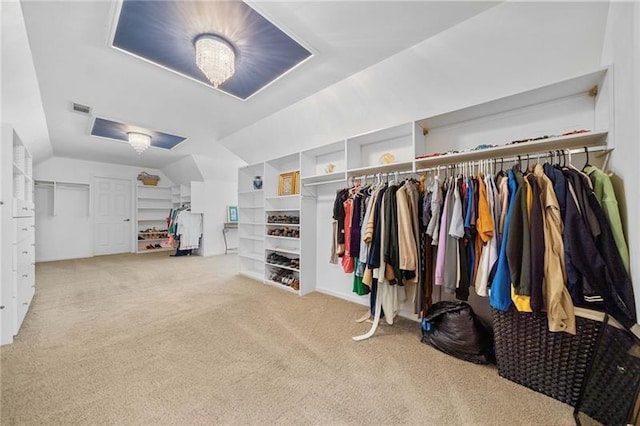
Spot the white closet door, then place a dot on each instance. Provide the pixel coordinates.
(112, 216)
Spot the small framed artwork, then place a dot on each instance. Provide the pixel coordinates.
(232, 213)
(287, 183)
(296, 182)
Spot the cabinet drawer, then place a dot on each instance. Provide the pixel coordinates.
(25, 229)
(25, 253)
(26, 287)
(22, 208)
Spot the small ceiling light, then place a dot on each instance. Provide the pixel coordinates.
(139, 141)
(215, 57)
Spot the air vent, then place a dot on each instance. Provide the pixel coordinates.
(82, 109)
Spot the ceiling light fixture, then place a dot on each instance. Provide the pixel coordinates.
(215, 57)
(139, 141)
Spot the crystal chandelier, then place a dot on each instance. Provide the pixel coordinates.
(215, 57)
(139, 141)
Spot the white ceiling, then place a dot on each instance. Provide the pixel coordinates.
(74, 63)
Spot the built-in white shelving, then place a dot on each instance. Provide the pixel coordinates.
(153, 205)
(478, 132)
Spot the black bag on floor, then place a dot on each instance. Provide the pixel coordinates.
(453, 328)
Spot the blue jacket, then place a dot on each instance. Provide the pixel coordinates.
(500, 293)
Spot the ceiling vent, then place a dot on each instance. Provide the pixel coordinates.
(82, 109)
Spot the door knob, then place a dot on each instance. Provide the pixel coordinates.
(127, 220)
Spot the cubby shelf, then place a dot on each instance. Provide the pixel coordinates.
(254, 256)
(281, 286)
(282, 267)
(283, 250)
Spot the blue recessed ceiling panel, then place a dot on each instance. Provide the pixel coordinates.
(163, 32)
(118, 131)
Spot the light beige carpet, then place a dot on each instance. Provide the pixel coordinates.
(149, 339)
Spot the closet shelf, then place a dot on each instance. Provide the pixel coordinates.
(155, 250)
(282, 267)
(381, 168)
(281, 286)
(325, 177)
(252, 237)
(284, 250)
(251, 223)
(153, 239)
(254, 256)
(153, 232)
(283, 224)
(579, 140)
(282, 238)
(281, 197)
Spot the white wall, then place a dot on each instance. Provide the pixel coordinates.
(508, 49)
(20, 100)
(218, 194)
(622, 48)
(69, 234)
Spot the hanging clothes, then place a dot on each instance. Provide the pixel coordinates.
(606, 196)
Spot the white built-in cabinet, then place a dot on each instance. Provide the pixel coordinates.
(17, 234)
(583, 102)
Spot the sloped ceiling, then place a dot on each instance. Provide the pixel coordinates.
(513, 47)
(74, 63)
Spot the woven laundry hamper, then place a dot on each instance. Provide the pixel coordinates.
(610, 393)
(554, 364)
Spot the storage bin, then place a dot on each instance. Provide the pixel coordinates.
(554, 364)
(610, 394)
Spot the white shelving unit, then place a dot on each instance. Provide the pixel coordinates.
(153, 205)
(251, 228)
(17, 231)
(583, 102)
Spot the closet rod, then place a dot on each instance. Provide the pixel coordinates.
(533, 155)
(60, 183)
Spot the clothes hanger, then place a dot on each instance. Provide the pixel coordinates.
(586, 162)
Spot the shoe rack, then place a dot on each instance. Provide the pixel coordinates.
(271, 227)
(153, 207)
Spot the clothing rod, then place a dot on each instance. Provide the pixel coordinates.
(60, 183)
(523, 157)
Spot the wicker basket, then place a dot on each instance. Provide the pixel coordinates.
(611, 389)
(148, 180)
(554, 364)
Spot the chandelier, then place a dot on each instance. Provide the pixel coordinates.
(139, 141)
(215, 57)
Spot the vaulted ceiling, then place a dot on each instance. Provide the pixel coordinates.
(74, 62)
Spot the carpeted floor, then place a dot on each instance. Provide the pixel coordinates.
(148, 339)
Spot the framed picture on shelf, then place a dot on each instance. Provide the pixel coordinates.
(232, 213)
(287, 183)
(296, 182)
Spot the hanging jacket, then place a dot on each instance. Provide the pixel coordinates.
(518, 247)
(537, 247)
(392, 250)
(500, 293)
(442, 236)
(560, 312)
(606, 196)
